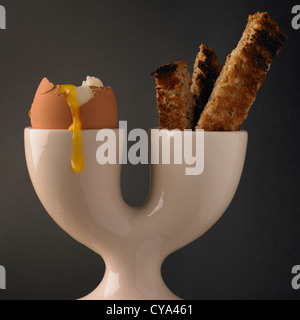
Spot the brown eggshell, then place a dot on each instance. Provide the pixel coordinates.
(50, 109)
(101, 111)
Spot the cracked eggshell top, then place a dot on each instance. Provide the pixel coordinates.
(50, 109)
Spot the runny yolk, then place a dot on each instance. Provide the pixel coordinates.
(77, 162)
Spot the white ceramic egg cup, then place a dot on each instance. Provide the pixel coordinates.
(133, 241)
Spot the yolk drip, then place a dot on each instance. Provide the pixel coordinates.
(69, 91)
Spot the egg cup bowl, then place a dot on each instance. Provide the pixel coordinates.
(133, 241)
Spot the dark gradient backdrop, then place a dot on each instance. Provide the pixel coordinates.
(250, 252)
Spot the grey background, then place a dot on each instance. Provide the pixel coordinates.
(250, 252)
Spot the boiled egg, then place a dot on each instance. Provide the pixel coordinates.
(89, 106)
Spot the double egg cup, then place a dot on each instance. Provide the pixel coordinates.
(133, 241)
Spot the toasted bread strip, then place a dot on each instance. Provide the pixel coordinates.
(243, 74)
(206, 71)
(174, 97)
